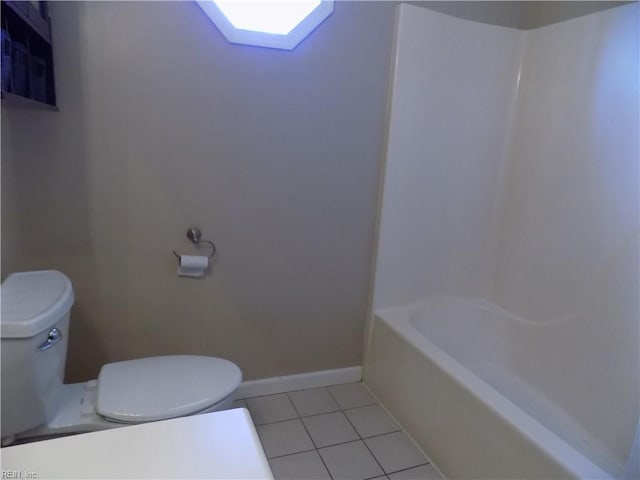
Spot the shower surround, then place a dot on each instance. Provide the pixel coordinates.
(505, 325)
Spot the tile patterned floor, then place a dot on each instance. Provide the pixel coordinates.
(337, 433)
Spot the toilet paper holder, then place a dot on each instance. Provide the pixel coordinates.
(194, 234)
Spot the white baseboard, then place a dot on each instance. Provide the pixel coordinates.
(300, 381)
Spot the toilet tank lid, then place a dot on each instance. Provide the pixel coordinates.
(33, 302)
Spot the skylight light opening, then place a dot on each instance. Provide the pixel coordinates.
(281, 24)
(276, 17)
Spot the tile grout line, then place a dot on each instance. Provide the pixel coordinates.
(375, 400)
(341, 443)
(360, 406)
(280, 421)
(309, 433)
(274, 423)
(343, 412)
(360, 437)
(294, 453)
(298, 390)
(394, 471)
(408, 468)
(402, 429)
(308, 416)
(367, 447)
(340, 409)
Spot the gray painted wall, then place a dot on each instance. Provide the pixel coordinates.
(163, 124)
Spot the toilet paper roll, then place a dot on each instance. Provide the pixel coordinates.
(192, 265)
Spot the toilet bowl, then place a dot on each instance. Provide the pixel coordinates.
(35, 402)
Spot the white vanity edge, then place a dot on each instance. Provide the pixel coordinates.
(221, 445)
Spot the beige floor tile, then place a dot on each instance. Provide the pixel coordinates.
(351, 395)
(283, 438)
(371, 420)
(272, 408)
(350, 461)
(395, 451)
(313, 401)
(329, 429)
(300, 466)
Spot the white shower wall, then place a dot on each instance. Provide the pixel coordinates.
(572, 194)
(512, 173)
(452, 98)
(567, 253)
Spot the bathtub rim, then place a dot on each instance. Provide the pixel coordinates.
(540, 437)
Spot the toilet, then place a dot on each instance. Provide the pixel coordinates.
(34, 330)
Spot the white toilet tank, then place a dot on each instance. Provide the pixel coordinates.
(34, 328)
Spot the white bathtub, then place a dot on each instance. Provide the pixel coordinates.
(445, 370)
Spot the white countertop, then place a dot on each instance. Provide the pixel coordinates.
(220, 445)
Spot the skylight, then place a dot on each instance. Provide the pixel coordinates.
(269, 17)
(267, 23)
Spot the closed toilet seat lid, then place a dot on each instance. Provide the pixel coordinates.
(157, 388)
